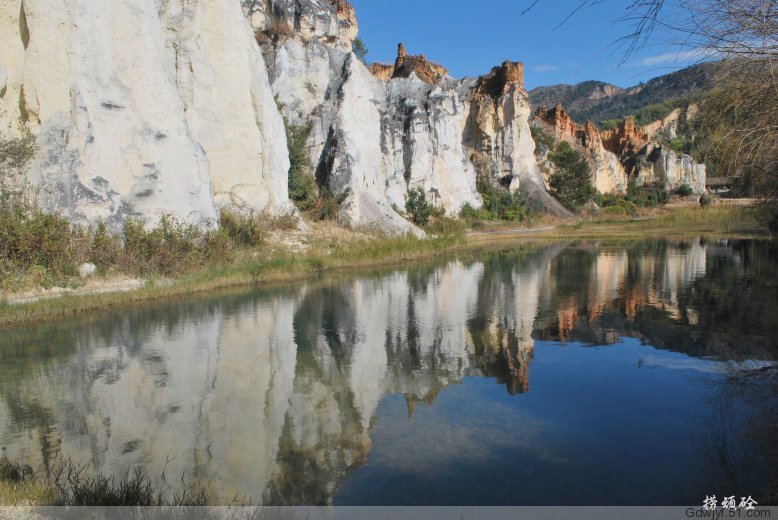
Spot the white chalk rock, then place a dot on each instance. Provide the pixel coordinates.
(143, 108)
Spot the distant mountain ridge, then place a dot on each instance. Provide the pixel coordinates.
(598, 101)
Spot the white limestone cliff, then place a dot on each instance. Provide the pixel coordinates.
(159, 107)
(374, 137)
(673, 169)
(142, 108)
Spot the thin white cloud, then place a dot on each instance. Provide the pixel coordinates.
(545, 68)
(672, 58)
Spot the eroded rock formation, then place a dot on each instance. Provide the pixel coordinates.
(608, 175)
(327, 21)
(370, 138)
(405, 65)
(499, 137)
(378, 132)
(427, 71)
(648, 161)
(158, 108)
(630, 151)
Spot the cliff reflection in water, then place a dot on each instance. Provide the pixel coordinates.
(271, 394)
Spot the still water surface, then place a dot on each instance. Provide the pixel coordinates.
(575, 373)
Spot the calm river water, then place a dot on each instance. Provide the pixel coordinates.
(565, 373)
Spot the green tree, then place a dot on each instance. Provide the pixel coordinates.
(541, 137)
(570, 182)
(418, 207)
(359, 48)
(302, 185)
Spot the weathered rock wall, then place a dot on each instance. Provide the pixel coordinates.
(648, 161)
(162, 107)
(499, 136)
(378, 133)
(607, 173)
(142, 108)
(629, 151)
(370, 138)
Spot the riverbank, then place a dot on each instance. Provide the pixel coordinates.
(291, 255)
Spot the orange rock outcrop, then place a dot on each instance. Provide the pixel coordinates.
(628, 137)
(426, 70)
(565, 129)
(346, 12)
(382, 71)
(406, 64)
(501, 79)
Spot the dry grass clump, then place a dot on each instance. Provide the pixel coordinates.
(66, 483)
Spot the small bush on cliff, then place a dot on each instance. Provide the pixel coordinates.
(360, 50)
(418, 207)
(616, 204)
(302, 185)
(680, 144)
(16, 153)
(328, 205)
(470, 213)
(570, 183)
(33, 245)
(163, 250)
(505, 205)
(541, 137)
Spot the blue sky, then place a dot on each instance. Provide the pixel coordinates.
(470, 37)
